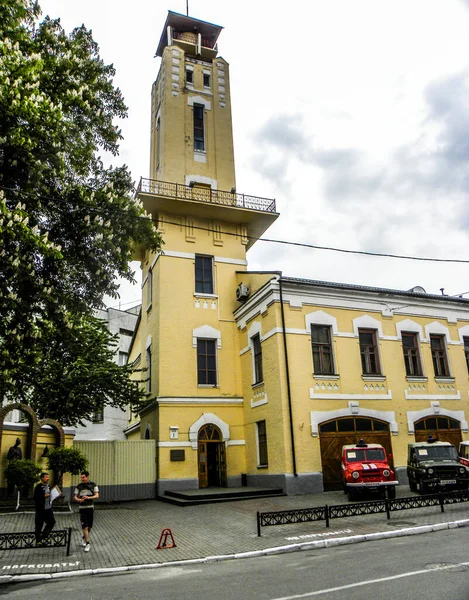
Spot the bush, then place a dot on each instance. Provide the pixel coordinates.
(22, 472)
(66, 460)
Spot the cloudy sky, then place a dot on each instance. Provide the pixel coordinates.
(352, 114)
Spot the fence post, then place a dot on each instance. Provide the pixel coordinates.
(388, 508)
(258, 524)
(442, 501)
(326, 513)
(69, 539)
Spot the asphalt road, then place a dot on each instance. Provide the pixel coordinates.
(431, 566)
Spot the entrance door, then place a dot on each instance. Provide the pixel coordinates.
(444, 429)
(348, 430)
(211, 457)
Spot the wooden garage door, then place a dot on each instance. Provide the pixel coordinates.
(444, 429)
(340, 432)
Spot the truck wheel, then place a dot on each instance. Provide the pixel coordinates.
(422, 488)
(412, 485)
(351, 495)
(391, 492)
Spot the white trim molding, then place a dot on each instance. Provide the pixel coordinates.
(353, 410)
(319, 317)
(438, 397)
(367, 322)
(435, 409)
(463, 332)
(327, 396)
(191, 100)
(206, 419)
(411, 326)
(203, 180)
(201, 400)
(437, 329)
(207, 333)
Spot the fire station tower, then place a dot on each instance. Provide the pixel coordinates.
(187, 342)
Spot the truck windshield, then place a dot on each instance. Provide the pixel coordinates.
(365, 455)
(437, 453)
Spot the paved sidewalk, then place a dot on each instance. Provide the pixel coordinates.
(125, 535)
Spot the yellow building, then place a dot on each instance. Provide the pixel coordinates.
(256, 373)
(187, 342)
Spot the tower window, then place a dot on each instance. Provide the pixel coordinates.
(207, 80)
(262, 457)
(189, 76)
(257, 348)
(148, 381)
(206, 362)
(199, 140)
(204, 274)
(158, 141)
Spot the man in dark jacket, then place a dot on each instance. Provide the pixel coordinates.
(44, 512)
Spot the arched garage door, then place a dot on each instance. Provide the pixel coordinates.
(348, 430)
(443, 429)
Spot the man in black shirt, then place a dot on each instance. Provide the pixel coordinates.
(44, 512)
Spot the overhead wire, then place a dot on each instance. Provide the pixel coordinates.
(251, 237)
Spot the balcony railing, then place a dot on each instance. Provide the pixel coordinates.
(185, 192)
(191, 38)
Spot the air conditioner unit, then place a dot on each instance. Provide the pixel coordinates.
(242, 292)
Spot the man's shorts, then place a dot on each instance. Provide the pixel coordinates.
(86, 517)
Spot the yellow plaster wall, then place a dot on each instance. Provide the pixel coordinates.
(177, 129)
(184, 416)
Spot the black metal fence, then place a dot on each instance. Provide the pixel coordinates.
(26, 539)
(187, 192)
(338, 511)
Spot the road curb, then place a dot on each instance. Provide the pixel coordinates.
(302, 546)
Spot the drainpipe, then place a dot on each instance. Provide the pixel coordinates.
(287, 370)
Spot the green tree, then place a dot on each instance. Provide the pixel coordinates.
(66, 460)
(23, 473)
(68, 225)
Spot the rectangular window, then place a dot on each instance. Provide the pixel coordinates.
(206, 362)
(148, 386)
(158, 141)
(149, 287)
(466, 350)
(439, 358)
(206, 80)
(369, 352)
(257, 349)
(323, 362)
(410, 346)
(199, 138)
(204, 274)
(262, 444)
(123, 356)
(98, 416)
(189, 76)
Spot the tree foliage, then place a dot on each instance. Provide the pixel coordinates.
(66, 460)
(67, 223)
(23, 472)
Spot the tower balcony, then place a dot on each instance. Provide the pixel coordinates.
(256, 213)
(191, 44)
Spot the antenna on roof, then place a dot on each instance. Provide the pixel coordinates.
(187, 7)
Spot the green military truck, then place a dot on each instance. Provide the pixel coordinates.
(433, 466)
